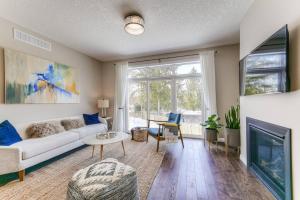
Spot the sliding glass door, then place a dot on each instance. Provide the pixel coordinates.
(138, 106)
(156, 91)
(160, 103)
(188, 97)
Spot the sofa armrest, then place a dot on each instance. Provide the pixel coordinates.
(104, 121)
(10, 158)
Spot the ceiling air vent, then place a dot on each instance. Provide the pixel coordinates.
(32, 40)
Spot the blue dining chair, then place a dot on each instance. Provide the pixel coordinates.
(157, 133)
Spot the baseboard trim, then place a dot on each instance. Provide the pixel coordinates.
(243, 159)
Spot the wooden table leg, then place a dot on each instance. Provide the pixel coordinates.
(239, 150)
(101, 151)
(226, 149)
(22, 175)
(226, 145)
(123, 147)
(93, 151)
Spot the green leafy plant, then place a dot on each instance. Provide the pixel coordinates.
(213, 123)
(232, 118)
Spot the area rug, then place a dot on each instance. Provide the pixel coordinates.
(50, 182)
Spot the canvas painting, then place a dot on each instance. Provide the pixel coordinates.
(29, 79)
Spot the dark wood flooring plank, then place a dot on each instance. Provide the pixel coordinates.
(173, 175)
(197, 173)
(209, 167)
(201, 185)
(182, 176)
(191, 190)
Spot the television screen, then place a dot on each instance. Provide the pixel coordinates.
(265, 69)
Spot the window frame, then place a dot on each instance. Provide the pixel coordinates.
(173, 78)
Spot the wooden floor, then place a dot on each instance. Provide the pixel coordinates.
(197, 173)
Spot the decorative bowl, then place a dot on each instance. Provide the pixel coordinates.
(101, 136)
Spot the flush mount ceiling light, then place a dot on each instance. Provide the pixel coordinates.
(134, 24)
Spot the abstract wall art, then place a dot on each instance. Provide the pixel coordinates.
(29, 79)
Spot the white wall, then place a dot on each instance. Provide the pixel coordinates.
(89, 75)
(227, 76)
(264, 18)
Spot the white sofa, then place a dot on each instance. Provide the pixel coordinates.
(31, 151)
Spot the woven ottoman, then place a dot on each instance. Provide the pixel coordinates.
(108, 179)
(139, 134)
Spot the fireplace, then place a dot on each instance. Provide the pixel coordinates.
(269, 156)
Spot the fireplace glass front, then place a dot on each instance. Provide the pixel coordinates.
(268, 156)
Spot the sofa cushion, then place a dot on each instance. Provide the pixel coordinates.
(154, 132)
(69, 124)
(8, 134)
(44, 129)
(91, 119)
(91, 130)
(36, 146)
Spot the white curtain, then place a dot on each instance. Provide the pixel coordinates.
(209, 105)
(120, 122)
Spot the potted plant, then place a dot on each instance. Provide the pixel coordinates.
(232, 129)
(212, 126)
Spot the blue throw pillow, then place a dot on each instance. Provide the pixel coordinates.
(8, 134)
(91, 119)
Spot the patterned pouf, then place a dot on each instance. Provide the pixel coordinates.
(139, 134)
(108, 179)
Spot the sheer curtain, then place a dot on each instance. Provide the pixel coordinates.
(207, 61)
(121, 109)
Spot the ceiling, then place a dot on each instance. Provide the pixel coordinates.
(95, 27)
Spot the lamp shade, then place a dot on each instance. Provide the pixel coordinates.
(103, 103)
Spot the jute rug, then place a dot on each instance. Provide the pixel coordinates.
(50, 182)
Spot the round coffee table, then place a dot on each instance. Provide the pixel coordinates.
(94, 141)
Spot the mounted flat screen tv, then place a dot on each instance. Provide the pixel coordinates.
(265, 69)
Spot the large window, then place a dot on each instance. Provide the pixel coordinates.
(138, 106)
(155, 91)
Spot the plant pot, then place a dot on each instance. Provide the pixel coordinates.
(211, 135)
(233, 137)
